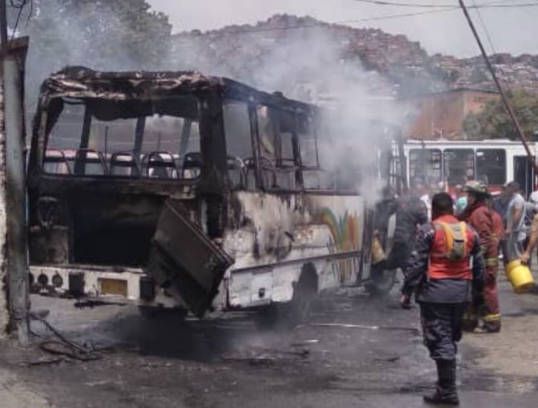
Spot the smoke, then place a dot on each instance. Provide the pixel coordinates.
(312, 65)
(96, 34)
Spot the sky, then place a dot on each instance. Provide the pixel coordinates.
(513, 30)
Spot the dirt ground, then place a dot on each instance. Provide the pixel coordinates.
(355, 352)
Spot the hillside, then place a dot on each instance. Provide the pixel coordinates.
(283, 41)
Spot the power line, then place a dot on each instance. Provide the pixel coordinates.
(389, 3)
(483, 24)
(20, 5)
(504, 97)
(494, 4)
(254, 30)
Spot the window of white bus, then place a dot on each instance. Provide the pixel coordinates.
(491, 166)
(425, 166)
(458, 166)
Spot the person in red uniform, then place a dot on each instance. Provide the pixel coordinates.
(490, 227)
(440, 274)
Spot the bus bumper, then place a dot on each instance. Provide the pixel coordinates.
(125, 285)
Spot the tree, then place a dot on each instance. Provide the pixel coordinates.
(101, 34)
(495, 123)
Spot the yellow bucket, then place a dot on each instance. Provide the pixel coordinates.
(519, 276)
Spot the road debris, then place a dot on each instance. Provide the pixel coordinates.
(304, 343)
(265, 356)
(360, 326)
(63, 346)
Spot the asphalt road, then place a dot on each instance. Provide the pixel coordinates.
(355, 352)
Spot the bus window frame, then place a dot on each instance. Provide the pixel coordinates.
(424, 174)
(504, 165)
(470, 152)
(47, 125)
(275, 116)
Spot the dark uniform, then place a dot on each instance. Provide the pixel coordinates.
(443, 288)
(384, 209)
(411, 212)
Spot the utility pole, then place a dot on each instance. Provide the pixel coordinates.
(504, 97)
(3, 26)
(12, 180)
(4, 310)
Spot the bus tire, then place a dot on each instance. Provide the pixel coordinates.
(297, 311)
(381, 283)
(304, 295)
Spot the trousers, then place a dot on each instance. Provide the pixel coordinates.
(512, 248)
(398, 256)
(486, 307)
(442, 328)
(491, 313)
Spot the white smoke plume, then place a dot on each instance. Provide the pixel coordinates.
(311, 65)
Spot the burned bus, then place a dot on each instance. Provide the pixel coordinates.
(180, 190)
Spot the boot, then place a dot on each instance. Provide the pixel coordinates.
(446, 392)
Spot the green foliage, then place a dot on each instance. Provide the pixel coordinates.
(101, 34)
(494, 122)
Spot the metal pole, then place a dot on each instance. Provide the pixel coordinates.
(3, 27)
(4, 307)
(18, 273)
(504, 98)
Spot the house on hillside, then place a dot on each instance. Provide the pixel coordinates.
(440, 115)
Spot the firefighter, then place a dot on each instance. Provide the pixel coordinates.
(411, 212)
(439, 272)
(489, 226)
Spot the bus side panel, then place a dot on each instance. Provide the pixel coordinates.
(272, 237)
(344, 216)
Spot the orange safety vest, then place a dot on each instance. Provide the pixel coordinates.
(450, 256)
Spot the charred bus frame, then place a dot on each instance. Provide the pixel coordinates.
(124, 231)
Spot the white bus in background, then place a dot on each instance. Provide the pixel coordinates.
(494, 161)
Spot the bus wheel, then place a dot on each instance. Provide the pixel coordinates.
(290, 314)
(154, 312)
(381, 283)
(300, 307)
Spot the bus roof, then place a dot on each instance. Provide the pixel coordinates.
(485, 142)
(82, 82)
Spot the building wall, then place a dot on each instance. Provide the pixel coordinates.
(441, 115)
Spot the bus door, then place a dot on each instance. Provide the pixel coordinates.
(185, 261)
(524, 174)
